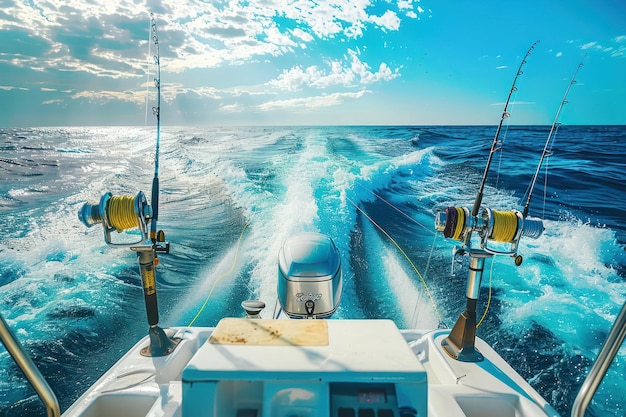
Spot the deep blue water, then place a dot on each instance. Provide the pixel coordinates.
(77, 305)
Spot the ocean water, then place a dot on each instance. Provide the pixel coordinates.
(229, 198)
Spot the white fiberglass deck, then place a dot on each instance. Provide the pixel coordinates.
(309, 368)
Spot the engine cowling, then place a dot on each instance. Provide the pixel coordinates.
(309, 276)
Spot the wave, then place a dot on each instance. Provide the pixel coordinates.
(62, 285)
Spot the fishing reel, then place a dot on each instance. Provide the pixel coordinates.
(494, 229)
(497, 233)
(118, 213)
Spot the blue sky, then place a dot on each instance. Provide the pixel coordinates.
(301, 62)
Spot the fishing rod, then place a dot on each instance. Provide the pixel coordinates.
(501, 227)
(547, 149)
(492, 226)
(505, 115)
(157, 112)
(123, 212)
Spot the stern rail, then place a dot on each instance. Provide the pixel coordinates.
(30, 370)
(601, 365)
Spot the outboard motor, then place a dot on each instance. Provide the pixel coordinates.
(309, 276)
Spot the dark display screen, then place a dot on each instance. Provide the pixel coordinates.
(373, 396)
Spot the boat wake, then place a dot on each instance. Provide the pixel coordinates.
(229, 199)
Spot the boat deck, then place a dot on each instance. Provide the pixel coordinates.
(309, 368)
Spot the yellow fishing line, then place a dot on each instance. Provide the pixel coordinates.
(429, 230)
(488, 298)
(121, 212)
(405, 256)
(460, 220)
(504, 226)
(220, 277)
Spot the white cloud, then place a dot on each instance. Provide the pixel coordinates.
(389, 20)
(367, 77)
(615, 51)
(73, 42)
(293, 78)
(275, 37)
(559, 54)
(302, 35)
(169, 92)
(310, 103)
(589, 45)
(232, 108)
(103, 96)
(329, 19)
(405, 4)
(501, 67)
(200, 35)
(9, 88)
(208, 92)
(408, 8)
(344, 73)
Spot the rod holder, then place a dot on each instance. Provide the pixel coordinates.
(460, 343)
(160, 344)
